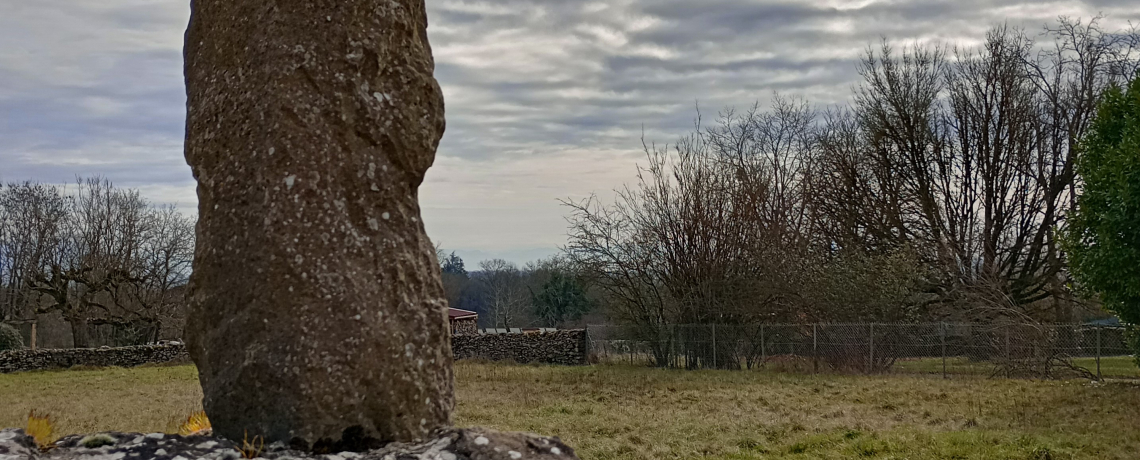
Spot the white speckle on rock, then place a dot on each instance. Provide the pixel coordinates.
(160, 452)
(482, 441)
(357, 317)
(556, 451)
(154, 436)
(289, 181)
(514, 455)
(385, 216)
(373, 224)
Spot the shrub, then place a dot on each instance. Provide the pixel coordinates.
(97, 440)
(10, 338)
(1132, 337)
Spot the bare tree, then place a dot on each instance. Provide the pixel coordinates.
(31, 234)
(977, 153)
(507, 297)
(99, 255)
(717, 230)
(149, 290)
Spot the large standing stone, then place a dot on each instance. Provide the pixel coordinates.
(315, 303)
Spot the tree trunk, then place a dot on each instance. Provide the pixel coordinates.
(80, 337)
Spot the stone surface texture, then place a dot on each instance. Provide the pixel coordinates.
(315, 301)
(444, 444)
(15, 445)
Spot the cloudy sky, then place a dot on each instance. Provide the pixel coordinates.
(545, 99)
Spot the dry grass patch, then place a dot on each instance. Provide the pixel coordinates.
(611, 412)
(112, 399)
(621, 412)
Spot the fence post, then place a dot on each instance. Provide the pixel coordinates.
(763, 356)
(673, 346)
(714, 345)
(1098, 352)
(33, 336)
(871, 362)
(814, 348)
(942, 334)
(1007, 344)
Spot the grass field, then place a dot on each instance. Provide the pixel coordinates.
(623, 412)
(1111, 367)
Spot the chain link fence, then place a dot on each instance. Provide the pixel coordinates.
(995, 350)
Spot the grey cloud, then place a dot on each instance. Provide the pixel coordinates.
(531, 86)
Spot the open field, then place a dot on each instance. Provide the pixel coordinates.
(622, 412)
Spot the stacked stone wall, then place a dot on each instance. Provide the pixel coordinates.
(57, 358)
(569, 347)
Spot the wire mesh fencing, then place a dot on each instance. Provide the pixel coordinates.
(995, 350)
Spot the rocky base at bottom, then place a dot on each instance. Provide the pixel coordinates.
(450, 444)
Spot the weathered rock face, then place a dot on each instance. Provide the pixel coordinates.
(315, 302)
(445, 444)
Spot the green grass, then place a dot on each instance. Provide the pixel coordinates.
(623, 412)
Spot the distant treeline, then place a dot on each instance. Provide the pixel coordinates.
(543, 293)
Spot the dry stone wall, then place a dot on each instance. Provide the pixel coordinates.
(28, 360)
(568, 347)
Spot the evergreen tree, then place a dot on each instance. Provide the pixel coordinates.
(453, 264)
(1103, 236)
(559, 300)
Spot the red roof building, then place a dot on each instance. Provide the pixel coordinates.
(462, 321)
